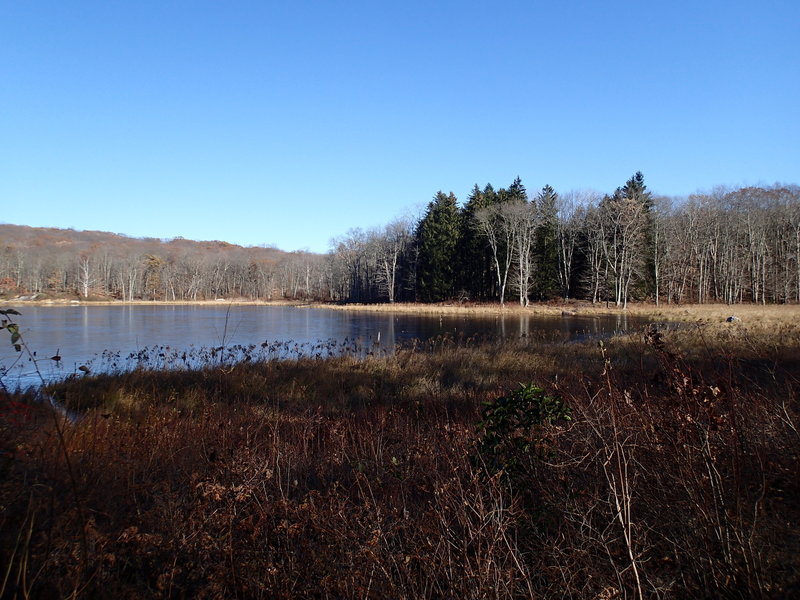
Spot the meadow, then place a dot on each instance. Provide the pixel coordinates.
(658, 464)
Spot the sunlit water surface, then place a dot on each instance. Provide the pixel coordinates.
(122, 337)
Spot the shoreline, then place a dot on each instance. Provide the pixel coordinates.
(220, 302)
(751, 313)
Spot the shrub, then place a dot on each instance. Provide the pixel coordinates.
(512, 428)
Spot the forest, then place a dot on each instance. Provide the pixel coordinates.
(729, 245)
(55, 263)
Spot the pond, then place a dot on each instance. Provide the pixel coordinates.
(121, 337)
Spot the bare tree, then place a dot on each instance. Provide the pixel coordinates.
(351, 264)
(523, 219)
(85, 275)
(390, 244)
(661, 213)
(623, 223)
(594, 233)
(789, 219)
(498, 224)
(571, 207)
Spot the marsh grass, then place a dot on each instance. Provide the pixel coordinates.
(360, 477)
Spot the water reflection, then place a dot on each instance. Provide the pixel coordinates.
(81, 334)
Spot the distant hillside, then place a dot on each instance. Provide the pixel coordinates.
(29, 237)
(52, 262)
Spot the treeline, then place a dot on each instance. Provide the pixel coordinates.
(730, 245)
(92, 264)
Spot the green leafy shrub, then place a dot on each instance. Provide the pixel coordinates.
(512, 428)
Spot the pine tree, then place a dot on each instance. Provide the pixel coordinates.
(516, 192)
(635, 189)
(546, 244)
(473, 254)
(437, 238)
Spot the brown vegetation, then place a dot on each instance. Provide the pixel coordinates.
(63, 264)
(360, 478)
(772, 314)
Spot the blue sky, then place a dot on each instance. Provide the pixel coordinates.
(288, 123)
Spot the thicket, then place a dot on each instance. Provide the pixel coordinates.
(430, 473)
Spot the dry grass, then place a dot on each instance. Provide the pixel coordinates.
(360, 478)
(750, 313)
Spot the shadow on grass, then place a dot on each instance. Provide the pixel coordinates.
(354, 477)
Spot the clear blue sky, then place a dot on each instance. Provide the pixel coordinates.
(288, 123)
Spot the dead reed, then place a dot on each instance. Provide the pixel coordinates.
(361, 477)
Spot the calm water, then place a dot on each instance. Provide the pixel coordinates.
(119, 337)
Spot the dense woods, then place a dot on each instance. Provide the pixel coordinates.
(728, 245)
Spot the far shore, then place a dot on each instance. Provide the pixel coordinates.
(749, 313)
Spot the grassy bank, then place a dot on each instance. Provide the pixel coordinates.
(674, 477)
(753, 313)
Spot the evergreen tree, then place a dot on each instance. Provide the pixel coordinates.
(473, 254)
(492, 196)
(635, 189)
(437, 238)
(546, 244)
(516, 192)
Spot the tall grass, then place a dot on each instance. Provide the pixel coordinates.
(361, 477)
